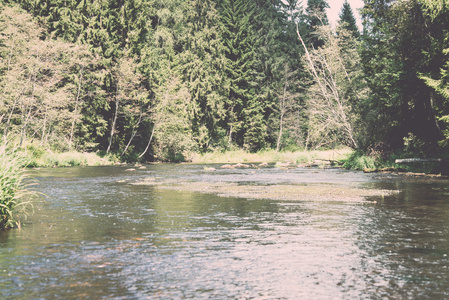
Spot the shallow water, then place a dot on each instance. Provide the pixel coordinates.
(97, 236)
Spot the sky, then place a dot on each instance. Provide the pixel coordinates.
(335, 9)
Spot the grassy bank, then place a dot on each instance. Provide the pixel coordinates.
(15, 195)
(346, 157)
(240, 156)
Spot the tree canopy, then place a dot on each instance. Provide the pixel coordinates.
(153, 79)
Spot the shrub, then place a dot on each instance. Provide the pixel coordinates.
(359, 161)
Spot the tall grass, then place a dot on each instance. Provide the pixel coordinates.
(15, 195)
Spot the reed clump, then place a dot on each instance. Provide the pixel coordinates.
(15, 192)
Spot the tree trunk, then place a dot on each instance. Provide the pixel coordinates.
(230, 136)
(8, 121)
(113, 125)
(44, 126)
(76, 108)
(149, 142)
(134, 131)
(278, 144)
(26, 118)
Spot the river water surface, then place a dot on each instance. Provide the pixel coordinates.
(97, 235)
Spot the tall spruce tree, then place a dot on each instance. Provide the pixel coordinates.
(201, 62)
(279, 72)
(239, 38)
(347, 19)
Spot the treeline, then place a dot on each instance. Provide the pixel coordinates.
(153, 79)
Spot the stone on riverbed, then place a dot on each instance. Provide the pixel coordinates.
(227, 167)
(242, 166)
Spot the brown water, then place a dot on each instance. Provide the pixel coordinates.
(97, 236)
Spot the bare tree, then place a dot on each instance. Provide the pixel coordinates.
(37, 83)
(328, 104)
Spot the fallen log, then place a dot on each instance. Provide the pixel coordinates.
(383, 170)
(418, 160)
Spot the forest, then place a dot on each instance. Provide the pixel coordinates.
(157, 80)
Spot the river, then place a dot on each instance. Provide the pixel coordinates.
(99, 234)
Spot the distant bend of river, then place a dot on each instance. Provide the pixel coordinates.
(99, 234)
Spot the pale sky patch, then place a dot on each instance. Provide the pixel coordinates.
(335, 9)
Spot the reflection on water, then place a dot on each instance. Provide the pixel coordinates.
(97, 236)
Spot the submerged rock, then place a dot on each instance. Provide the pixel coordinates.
(227, 167)
(283, 164)
(242, 166)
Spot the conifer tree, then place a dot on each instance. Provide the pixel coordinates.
(201, 64)
(347, 19)
(240, 40)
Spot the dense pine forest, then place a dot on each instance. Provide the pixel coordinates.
(159, 79)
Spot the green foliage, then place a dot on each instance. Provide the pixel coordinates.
(48, 159)
(436, 8)
(400, 102)
(438, 77)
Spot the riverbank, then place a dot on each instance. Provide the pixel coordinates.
(343, 157)
(297, 157)
(46, 159)
(49, 159)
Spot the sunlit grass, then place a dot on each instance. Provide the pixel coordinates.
(71, 159)
(241, 156)
(67, 159)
